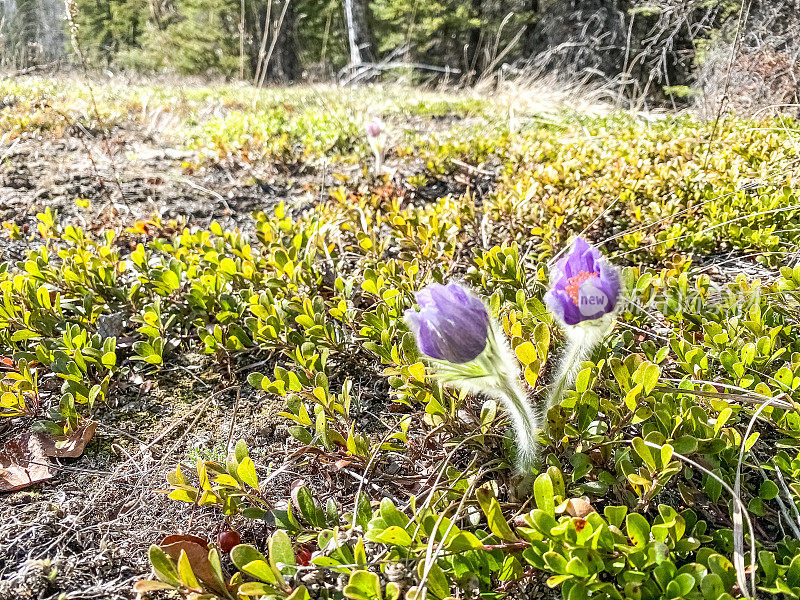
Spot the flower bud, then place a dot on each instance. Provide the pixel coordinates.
(451, 323)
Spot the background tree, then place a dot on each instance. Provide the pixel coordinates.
(107, 27)
(645, 50)
(358, 33)
(31, 32)
(277, 57)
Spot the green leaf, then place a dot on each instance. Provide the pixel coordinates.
(394, 536)
(793, 572)
(183, 495)
(615, 514)
(185, 571)
(685, 445)
(244, 554)
(526, 353)
(494, 515)
(256, 380)
(644, 453)
(260, 569)
(638, 530)
(308, 507)
(666, 455)
(247, 472)
(216, 569)
(437, 581)
(767, 561)
(363, 585)
(463, 541)
(256, 588)
(363, 511)
(555, 562)
(393, 591)
(711, 586)
(163, 566)
(300, 593)
(768, 490)
(544, 494)
(391, 515)
(511, 569)
(576, 567)
(282, 552)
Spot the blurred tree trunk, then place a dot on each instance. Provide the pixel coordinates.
(282, 62)
(358, 33)
(475, 42)
(531, 40)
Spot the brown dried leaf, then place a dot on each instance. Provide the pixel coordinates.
(183, 537)
(578, 507)
(70, 446)
(23, 463)
(145, 586)
(197, 552)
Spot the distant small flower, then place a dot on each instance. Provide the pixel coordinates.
(377, 139)
(374, 128)
(451, 324)
(584, 286)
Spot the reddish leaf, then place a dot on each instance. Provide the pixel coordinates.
(296, 485)
(197, 552)
(23, 463)
(70, 446)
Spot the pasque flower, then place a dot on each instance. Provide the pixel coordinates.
(584, 293)
(374, 128)
(451, 324)
(454, 330)
(584, 286)
(377, 138)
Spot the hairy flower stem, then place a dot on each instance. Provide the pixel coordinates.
(525, 422)
(508, 390)
(581, 340)
(495, 372)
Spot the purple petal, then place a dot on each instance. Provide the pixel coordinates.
(451, 323)
(562, 305)
(430, 341)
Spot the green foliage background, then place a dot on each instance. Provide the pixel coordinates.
(654, 44)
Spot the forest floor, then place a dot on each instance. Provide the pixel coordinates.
(469, 189)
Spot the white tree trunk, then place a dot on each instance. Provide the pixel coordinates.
(352, 34)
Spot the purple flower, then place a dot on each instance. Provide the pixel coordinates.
(374, 128)
(583, 285)
(451, 324)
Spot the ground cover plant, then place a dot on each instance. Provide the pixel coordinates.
(257, 419)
